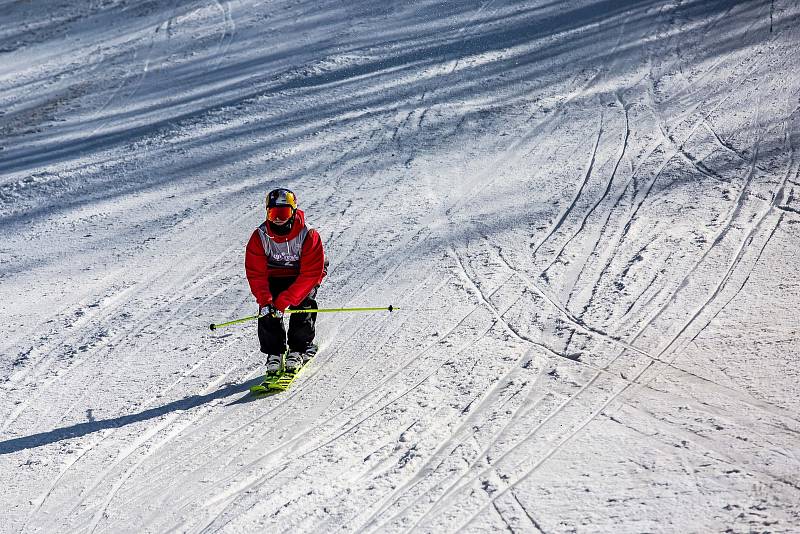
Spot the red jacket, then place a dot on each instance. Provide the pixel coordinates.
(309, 268)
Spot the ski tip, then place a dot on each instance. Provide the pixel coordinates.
(213, 326)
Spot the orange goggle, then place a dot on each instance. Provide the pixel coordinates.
(279, 214)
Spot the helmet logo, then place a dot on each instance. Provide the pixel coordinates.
(281, 197)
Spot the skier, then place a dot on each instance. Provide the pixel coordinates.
(285, 264)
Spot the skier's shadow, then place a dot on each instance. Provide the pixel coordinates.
(250, 397)
(82, 429)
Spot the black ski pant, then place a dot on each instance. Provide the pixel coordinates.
(271, 334)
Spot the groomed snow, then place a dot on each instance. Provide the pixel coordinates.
(587, 211)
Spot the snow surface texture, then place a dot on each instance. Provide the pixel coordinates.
(588, 212)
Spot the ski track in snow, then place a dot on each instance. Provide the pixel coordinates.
(585, 212)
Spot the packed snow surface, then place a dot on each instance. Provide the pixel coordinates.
(587, 212)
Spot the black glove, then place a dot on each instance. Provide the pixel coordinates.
(271, 311)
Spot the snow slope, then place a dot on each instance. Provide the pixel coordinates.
(586, 210)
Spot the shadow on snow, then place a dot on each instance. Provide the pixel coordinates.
(82, 429)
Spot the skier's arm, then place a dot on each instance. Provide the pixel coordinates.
(312, 263)
(255, 265)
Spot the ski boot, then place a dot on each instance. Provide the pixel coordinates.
(274, 364)
(309, 353)
(294, 361)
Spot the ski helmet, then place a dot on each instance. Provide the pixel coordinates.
(281, 206)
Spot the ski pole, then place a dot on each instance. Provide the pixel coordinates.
(337, 310)
(236, 321)
(317, 310)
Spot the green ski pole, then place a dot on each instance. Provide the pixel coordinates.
(337, 310)
(237, 321)
(317, 310)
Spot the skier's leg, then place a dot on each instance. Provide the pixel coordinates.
(302, 325)
(271, 335)
(271, 332)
